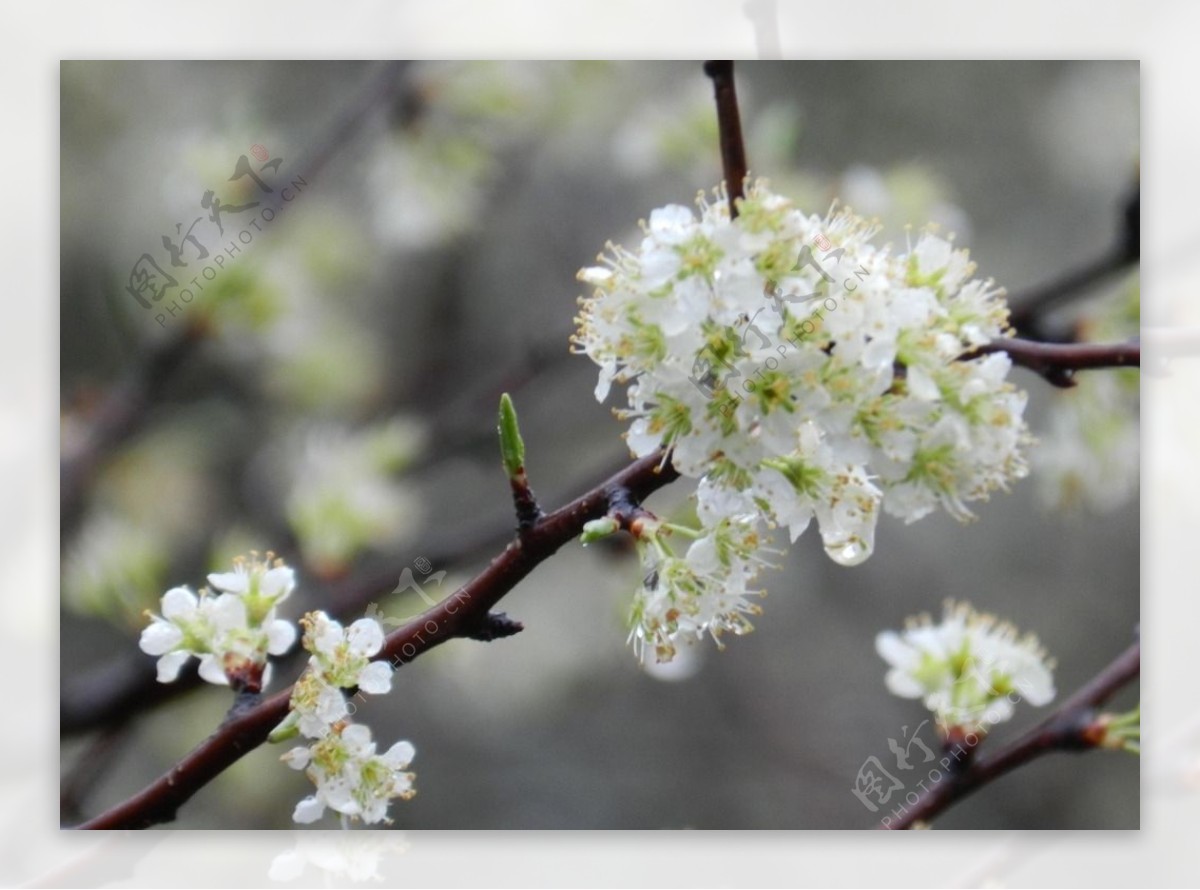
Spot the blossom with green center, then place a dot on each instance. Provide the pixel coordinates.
(706, 591)
(232, 633)
(340, 659)
(969, 669)
(350, 777)
(261, 583)
(342, 656)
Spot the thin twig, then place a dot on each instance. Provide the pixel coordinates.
(461, 614)
(729, 123)
(1029, 307)
(1058, 362)
(1070, 728)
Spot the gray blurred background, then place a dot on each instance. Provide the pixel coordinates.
(429, 266)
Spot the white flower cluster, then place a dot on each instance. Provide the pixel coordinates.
(799, 371)
(341, 659)
(969, 669)
(350, 777)
(707, 590)
(232, 632)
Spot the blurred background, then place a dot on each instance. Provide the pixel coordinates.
(330, 395)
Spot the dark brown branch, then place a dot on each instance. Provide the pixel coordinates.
(524, 502)
(729, 123)
(459, 615)
(1030, 306)
(1058, 362)
(495, 626)
(118, 690)
(1072, 727)
(128, 685)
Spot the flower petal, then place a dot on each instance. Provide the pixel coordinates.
(894, 650)
(160, 638)
(298, 757)
(308, 810)
(228, 612)
(212, 671)
(365, 636)
(376, 678)
(280, 636)
(178, 602)
(327, 633)
(170, 665)
(230, 582)
(278, 583)
(357, 738)
(399, 755)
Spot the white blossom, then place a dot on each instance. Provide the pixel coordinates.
(969, 669)
(350, 777)
(340, 659)
(343, 655)
(707, 591)
(232, 633)
(261, 584)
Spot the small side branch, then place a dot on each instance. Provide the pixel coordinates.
(1058, 362)
(729, 122)
(1030, 306)
(494, 626)
(512, 452)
